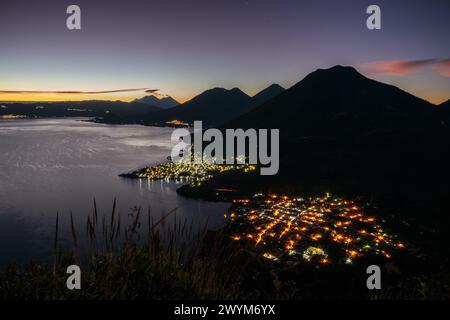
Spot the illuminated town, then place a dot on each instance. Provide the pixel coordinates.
(189, 171)
(321, 230)
(178, 123)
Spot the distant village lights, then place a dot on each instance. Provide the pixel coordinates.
(194, 173)
(237, 147)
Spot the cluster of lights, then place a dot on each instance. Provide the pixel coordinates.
(195, 173)
(178, 123)
(12, 116)
(318, 230)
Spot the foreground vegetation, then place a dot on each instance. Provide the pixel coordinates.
(120, 263)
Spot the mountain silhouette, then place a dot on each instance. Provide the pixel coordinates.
(217, 106)
(445, 105)
(267, 94)
(444, 109)
(213, 107)
(341, 103)
(163, 103)
(345, 133)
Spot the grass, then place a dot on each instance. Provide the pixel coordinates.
(120, 264)
(137, 260)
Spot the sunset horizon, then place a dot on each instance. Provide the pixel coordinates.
(118, 47)
(108, 95)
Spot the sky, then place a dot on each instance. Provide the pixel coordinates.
(185, 47)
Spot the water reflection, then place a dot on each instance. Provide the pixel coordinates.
(61, 165)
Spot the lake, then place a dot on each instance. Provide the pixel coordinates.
(61, 165)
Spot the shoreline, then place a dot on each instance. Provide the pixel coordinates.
(142, 123)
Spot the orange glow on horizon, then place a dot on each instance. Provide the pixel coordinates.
(181, 96)
(58, 97)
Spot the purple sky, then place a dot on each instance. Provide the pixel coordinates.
(184, 47)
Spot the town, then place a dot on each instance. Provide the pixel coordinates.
(237, 148)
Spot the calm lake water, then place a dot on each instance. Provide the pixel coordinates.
(61, 165)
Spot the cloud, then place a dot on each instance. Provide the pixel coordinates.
(155, 92)
(77, 92)
(402, 67)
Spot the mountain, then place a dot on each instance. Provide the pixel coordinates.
(344, 133)
(445, 105)
(163, 103)
(267, 94)
(341, 103)
(213, 107)
(444, 109)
